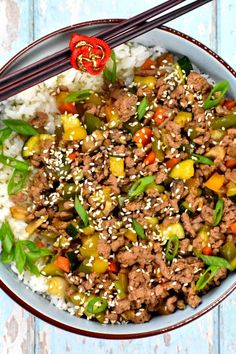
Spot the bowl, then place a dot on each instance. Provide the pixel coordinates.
(209, 63)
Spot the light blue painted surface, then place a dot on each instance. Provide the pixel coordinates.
(24, 20)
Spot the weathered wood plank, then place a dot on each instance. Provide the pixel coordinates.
(227, 325)
(15, 27)
(226, 30)
(16, 328)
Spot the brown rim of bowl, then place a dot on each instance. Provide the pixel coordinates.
(69, 328)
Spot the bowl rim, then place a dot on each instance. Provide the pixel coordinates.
(70, 328)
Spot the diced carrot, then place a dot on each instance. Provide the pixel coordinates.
(229, 104)
(231, 163)
(147, 64)
(150, 158)
(67, 107)
(160, 115)
(232, 227)
(142, 136)
(172, 162)
(207, 251)
(215, 182)
(40, 244)
(73, 155)
(113, 267)
(63, 263)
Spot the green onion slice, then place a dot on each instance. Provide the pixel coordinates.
(215, 261)
(20, 257)
(218, 212)
(138, 229)
(220, 87)
(16, 182)
(20, 126)
(201, 159)
(140, 186)
(78, 96)
(142, 108)
(206, 277)
(111, 75)
(4, 134)
(185, 64)
(11, 162)
(96, 305)
(81, 212)
(7, 237)
(172, 247)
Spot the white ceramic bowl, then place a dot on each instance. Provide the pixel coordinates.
(209, 63)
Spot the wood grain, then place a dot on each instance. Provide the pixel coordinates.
(20, 333)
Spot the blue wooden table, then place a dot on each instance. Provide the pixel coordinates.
(22, 21)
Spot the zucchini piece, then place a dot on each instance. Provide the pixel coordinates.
(172, 229)
(51, 269)
(183, 170)
(117, 166)
(74, 262)
(85, 267)
(35, 144)
(72, 229)
(185, 64)
(132, 125)
(92, 122)
(185, 208)
(231, 191)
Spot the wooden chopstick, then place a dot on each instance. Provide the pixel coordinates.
(62, 56)
(63, 64)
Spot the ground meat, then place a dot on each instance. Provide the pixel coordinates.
(231, 176)
(185, 270)
(137, 254)
(38, 185)
(184, 246)
(188, 224)
(197, 82)
(122, 306)
(104, 248)
(113, 184)
(220, 275)
(125, 104)
(139, 316)
(119, 242)
(171, 303)
(173, 136)
(40, 120)
(165, 59)
(207, 214)
(20, 198)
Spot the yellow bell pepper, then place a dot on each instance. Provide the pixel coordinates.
(57, 286)
(88, 230)
(149, 81)
(215, 182)
(100, 265)
(89, 246)
(117, 166)
(182, 118)
(131, 235)
(60, 98)
(73, 130)
(183, 170)
(112, 117)
(78, 298)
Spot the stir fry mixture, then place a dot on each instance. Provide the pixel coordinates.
(130, 205)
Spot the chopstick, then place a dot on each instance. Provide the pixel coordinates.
(64, 54)
(118, 34)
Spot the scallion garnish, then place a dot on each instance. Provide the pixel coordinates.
(185, 65)
(201, 159)
(81, 212)
(206, 277)
(218, 212)
(140, 186)
(4, 134)
(78, 96)
(110, 75)
(215, 261)
(16, 182)
(96, 305)
(142, 108)
(11, 162)
(138, 229)
(20, 126)
(172, 247)
(221, 88)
